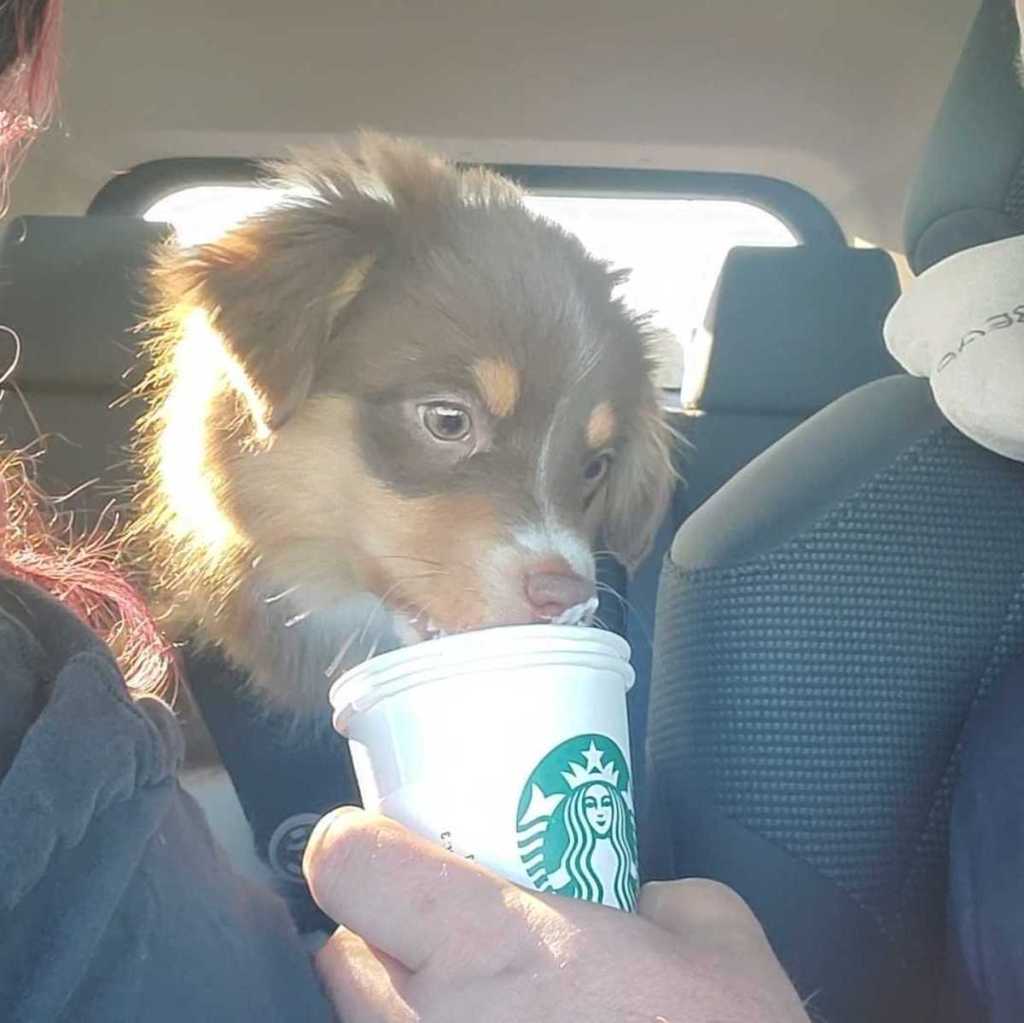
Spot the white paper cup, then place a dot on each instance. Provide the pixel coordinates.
(509, 746)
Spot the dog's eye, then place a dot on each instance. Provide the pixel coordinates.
(446, 422)
(597, 468)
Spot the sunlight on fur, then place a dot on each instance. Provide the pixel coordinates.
(202, 368)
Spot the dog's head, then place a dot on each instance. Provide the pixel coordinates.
(399, 384)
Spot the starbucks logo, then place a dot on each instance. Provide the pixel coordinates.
(576, 825)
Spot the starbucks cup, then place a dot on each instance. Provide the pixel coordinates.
(508, 746)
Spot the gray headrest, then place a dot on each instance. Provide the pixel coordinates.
(71, 287)
(969, 189)
(793, 329)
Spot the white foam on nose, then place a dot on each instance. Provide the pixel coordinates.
(578, 614)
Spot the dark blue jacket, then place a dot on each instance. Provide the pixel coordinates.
(115, 902)
(987, 861)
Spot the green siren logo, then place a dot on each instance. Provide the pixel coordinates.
(576, 824)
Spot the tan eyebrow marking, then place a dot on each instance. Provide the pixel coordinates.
(499, 386)
(601, 425)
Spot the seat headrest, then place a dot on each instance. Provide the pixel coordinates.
(969, 189)
(72, 290)
(792, 329)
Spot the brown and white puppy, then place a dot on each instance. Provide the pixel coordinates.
(396, 405)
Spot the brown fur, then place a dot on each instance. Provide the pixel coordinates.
(499, 386)
(601, 425)
(287, 468)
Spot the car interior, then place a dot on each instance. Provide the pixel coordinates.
(841, 574)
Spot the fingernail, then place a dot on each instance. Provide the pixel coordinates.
(344, 809)
(336, 816)
(323, 827)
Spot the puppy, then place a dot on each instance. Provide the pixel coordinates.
(397, 405)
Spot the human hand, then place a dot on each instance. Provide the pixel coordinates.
(429, 937)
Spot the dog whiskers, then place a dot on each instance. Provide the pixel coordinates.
(295, 619)
(335, 665)
(403, 557)
(631, 609)
(382, 601)
(377, 608)
(603, 587)
(280, 596)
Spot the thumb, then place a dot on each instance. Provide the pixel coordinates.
(696, 904)
(403, 895)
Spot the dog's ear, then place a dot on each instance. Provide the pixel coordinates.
(639, 489)
(274, 289)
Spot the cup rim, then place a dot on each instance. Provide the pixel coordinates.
(379, 678)
(454, 645)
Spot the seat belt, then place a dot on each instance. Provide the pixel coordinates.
(287, 772)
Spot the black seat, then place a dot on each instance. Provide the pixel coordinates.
(969, 189)
(71, 290)
(827, 624)
(789, 330)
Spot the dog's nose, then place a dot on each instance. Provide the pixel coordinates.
(553, 587)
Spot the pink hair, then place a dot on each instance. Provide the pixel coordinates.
(38, 544)
(28, 87)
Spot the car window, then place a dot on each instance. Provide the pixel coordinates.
(674, 246)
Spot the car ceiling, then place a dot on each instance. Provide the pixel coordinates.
(833, 95)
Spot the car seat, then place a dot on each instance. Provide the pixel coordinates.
(829, 622)
(789, 330)
(70, 304)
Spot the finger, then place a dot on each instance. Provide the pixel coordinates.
(697, 905)
(363, 986)
(712, 916)
(403, 894)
